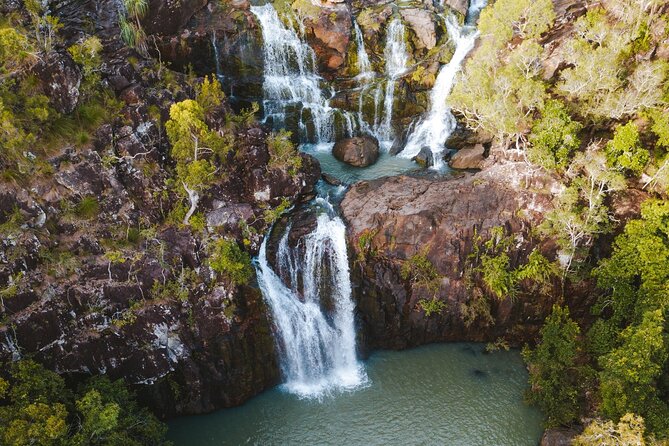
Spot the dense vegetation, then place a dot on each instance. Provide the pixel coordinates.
(37, 408)
(600, 124)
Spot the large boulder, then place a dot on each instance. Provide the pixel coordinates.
(362, 151)
(468, 158)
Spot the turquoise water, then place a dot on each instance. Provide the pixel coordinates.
(386, 165)
(446, 394)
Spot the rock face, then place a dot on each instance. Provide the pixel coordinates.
(422, 23)
(444, 219)
(358, 152)
(60, 78)
(468, 158)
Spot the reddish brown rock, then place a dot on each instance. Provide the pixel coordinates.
(358, 152)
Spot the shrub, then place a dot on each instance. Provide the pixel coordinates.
(228, 259)
(432, 306)
(87, 208)
(282, 152)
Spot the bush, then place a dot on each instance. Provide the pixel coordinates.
(282, 152)
(554, 374)
(228, 259)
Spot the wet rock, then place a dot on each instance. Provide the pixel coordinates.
(361, 151)
(425, 157)
(468, 158)
(60, 78)
(331, 179)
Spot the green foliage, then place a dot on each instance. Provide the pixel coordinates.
(36, 408)
(505, 19)
(554, 137)
(87, 208)
(599, 79)
(419, 270)
(228, 259)
(497, 275)
(283, 153)
(632, 337)
(497, 97)
(16, 52)
(87, 55)
(580, 214)
(628, 381)
(132, 32)
(637, 273)
(209, 94)
(171, 289)
(273, 214)
(625, 151)
(366, 244)
(554, 373)
(628, 431)
(432, 306)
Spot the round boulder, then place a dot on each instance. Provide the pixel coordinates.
(361, 151)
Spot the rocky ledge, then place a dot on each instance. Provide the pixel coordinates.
(448, 220)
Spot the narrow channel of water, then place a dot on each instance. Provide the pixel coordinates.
(452, 394)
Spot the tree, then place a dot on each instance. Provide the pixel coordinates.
(636, 274)
(628, 431)
(579, 213)
(132, 32)
(628, 380)
(554, 137)
(625, 151)
(193, 145)
(554, 373)
(36, 408)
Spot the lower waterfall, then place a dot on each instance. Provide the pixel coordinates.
(317, 345)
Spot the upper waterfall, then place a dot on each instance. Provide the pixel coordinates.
(316, 341)
(397, 58)
(434, 129)
(291, 83)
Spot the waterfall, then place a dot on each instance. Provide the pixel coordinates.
(316, 344)
(364, 66)
(397, 57)
(217, 56)
(291, 83)
(434, 129)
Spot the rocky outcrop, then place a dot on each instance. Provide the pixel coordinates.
(423, 24)
(60, 78)
(362, 151)
(468, 158)
(328, 30)
(390, 220)
(558, 437)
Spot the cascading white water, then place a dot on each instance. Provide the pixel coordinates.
(434, 129)
(291, 82)
(317, 345)
(364, 65)
(397, 57)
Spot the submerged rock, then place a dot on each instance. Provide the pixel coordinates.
(362, 151)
